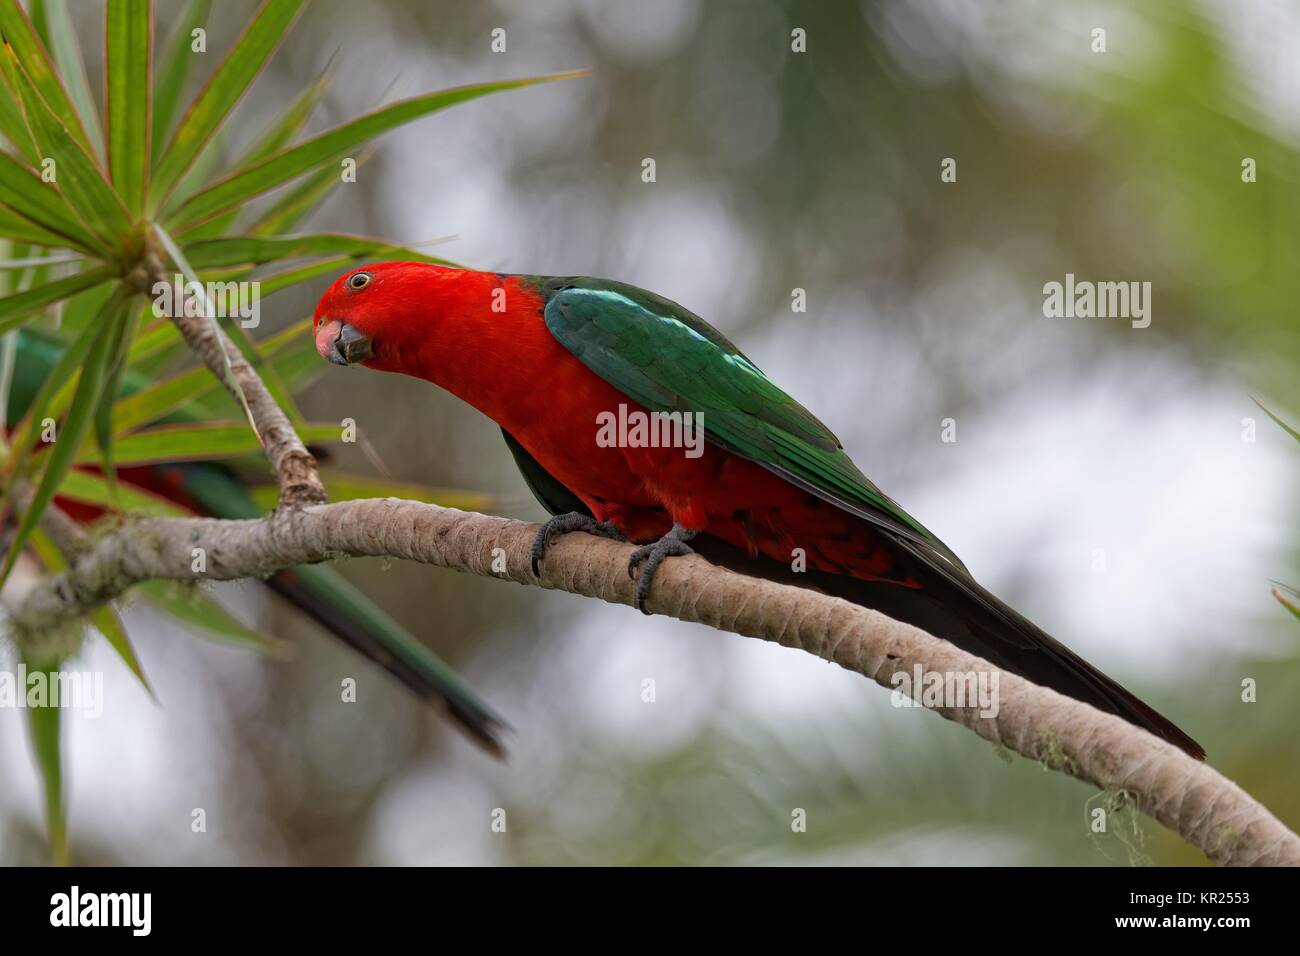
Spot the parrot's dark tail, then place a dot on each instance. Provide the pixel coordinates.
(386, 644)
(952, 606)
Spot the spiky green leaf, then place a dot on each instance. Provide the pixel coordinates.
(44, 726)
(162, 398)
(92, 489)
(16, 308)
(206, 617)
(202, 441)
(71, 65)
(225, 88)
(79, 179)
(300, 201)
(12, 125)
(117, 349)
(128, 30)
(255, 250)
(29, 196)
(1289, 600)
(108, 623)
(175, 69)
(63, 375)
(21, 229)
(30, 52)
(1289, 429)
(59, 459)
(331, 146)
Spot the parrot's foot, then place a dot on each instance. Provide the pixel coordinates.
(563, 524)
(671, 545)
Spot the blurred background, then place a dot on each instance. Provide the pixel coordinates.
(776, 170)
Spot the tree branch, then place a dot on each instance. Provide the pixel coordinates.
(1191, 798)
(294, 465)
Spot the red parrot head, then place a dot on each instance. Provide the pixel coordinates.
(467, 332)
(382, 314)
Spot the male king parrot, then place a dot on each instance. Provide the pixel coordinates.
(548, 359)
(317, 591)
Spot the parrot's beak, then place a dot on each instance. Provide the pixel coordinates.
(342, 344)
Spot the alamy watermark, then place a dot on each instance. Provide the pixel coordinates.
(75, 690)
(1102, 300)
(219, 300)
(133, 911)
(933, 689)
(640, 429)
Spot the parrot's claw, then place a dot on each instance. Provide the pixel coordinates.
(671, 545)
(563, 524)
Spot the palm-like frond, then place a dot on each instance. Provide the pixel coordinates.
(87, 200)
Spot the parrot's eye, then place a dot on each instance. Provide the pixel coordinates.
(359, 280)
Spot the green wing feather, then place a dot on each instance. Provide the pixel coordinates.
(669, 359)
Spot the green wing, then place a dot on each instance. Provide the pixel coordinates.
(668, 359)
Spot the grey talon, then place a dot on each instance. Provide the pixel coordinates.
(671, 545)
(565, 523)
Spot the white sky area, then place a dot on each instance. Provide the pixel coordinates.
(1140, 455)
